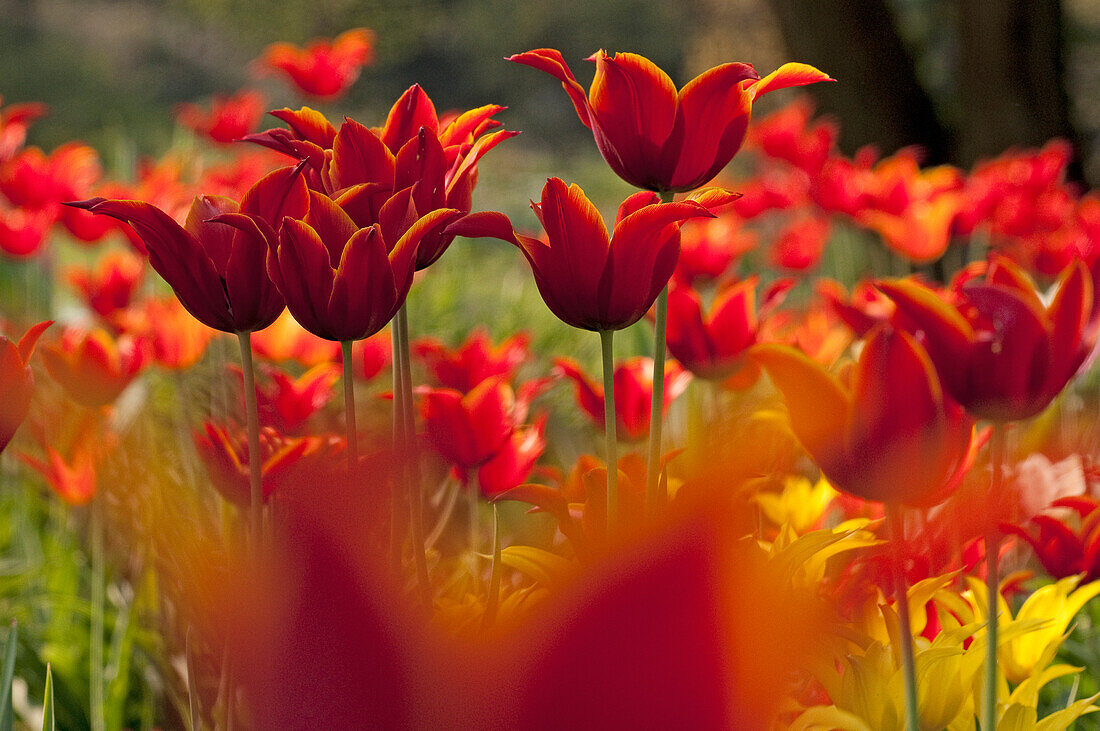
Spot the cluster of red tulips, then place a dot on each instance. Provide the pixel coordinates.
(830, 533)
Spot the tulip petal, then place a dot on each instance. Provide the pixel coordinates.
(280, 193)
(948, 336)
(470, 124)
(788, 75)
(688, 338)
(484, 224)
(410, 114)
(421, 161)
(308, 124)
(470, 159)
(364, 294)
(732, 321)
(305, 276)
(331, 223)
(1069, 315)
(29, 339)
(635, 203)
(360, 156)
(403, 257)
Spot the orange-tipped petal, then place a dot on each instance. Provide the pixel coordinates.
(788, 75)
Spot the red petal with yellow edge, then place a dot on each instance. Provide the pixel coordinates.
(550, 61)
(635, 203)
(1069, 316)
(819, 408)
(948, 336)
(483, 145)
(635, 104)
(308, 124)
(412, 111)
(711, 122)
(788, 75)
(30, 338)
(360, 156)
(470, 124)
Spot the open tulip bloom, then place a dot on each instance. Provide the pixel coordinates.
(16, 380)
(655, 137)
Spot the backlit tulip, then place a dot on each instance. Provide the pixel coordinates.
(654, 137)
(229, 118)
(1066, 547)
(217, 272)
(469, 430)
(476, 359)
(890, 436)
(633, 381)
(92, 366)
(342, 282)
(1000, 351)
(14, 121)
(595, 282)
(111, 285)
(73, 480)
(325, 68)
(177, 339)
(286, 340)
(16, 381)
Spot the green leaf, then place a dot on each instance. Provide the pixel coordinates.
(48, 723)
(7, 716)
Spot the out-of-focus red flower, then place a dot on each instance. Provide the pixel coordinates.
(473, 361)
(324, 68)
(111, 284)
(654, 137)
(595, 282)
(708, 248)
(342, 282)
(470, 429)
(93, 366)
(34, 180)
(229, 119)
(14, 121)
(864, 308)
(23, 231)
(177, 339)
(633, 379)
(73, 480)
(288, 402)
(789, 135)
(226, 457)
(362, 168)
(774, 188)
(711, 345)
(285, 340)
(16, 380)
(1063, 548)
(513, 464)
(218, 270)
(372, 354)
(891, 435)
(801, 243)
(1000, 351)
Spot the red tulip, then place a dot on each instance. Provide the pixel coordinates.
(34, 180)
(801, 243)
(633, 393)
(325, 68)
(73, 480)
(512, 464)
(14, 121)
(1062, 549)
(286, 340)
(372, 354)
(177, 339)
(654, 137)
(16, 381)
(475, 360)
(229, 119)
(92, 366)
(23, 231)
(891, 435)
(789, 135)
(711, 345)
(342, 282)
(111, 285)
(1000, 351)
(361, 168)
(217, 271)
(469, 430)
(594, 282)
(288, 403)
(708, 248)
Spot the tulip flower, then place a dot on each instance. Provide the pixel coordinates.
(92, 366)
(16, 381)
(286, 340)
(789, 135)
(216, 271)
(111, 285)
(33, 179)
(325, 68)
(73, 480)
(342, 282)
(229, 119)
(372, 354)
(513, 463)
(288, 402)
(178, 340)
(891, 436)
(475, 360)
(468, 430)
(1062, 549)
(595, 282)
(708, 247)
(1000, 351)
(633, 381)
(14, 121)
(711, 345)
(654, 137)
(23, 231)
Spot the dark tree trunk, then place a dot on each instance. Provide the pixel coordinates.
(878, 97)
(1010, 75)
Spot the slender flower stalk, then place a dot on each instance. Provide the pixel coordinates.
(398, 451)
(656, 411)
(992, 578)
(349, 406)
(493, 600)
(909, 669)
(471, 510)
(411, 455)
(252, 414)
(99, 581)
(606, 338)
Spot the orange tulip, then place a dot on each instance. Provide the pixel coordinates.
(325, 68)
(16, 381)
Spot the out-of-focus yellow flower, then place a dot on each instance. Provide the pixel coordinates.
(801, 560)
(800, 504)
(1047, 613)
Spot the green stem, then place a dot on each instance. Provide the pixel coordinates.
(99, 582)
(416, 498)
(493, 601)
(349, 405)
(992, 582)
(905, 632)
(252, 414)
(609, 417)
